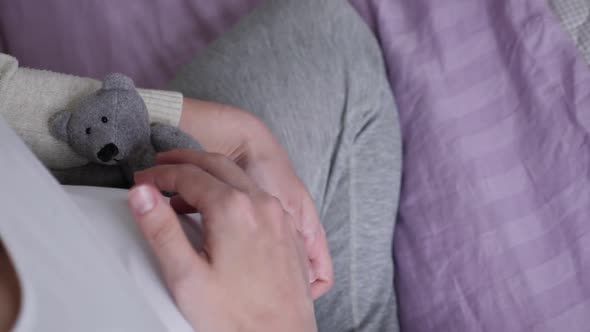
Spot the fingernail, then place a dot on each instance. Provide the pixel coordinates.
(141, 200)
(311, 274)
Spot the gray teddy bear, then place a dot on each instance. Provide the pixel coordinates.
(111, 129)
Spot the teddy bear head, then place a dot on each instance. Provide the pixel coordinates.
(107, 126)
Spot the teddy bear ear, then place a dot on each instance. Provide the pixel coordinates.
(58, 125)
(117, 81)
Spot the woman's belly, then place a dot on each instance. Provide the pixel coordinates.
(112, 221)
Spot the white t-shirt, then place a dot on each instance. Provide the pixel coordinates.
(110, 223)
(81, 261)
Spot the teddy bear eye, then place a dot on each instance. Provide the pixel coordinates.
(88, 131)
(104, 119)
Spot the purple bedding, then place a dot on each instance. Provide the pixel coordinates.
(494, 223)
(147, 40)
(494, 99)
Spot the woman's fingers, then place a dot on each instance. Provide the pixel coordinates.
(197, 187)
(316, 245)
(220, 205)
(208, 181)
(181, 206)
(321, 265)
(216, 164)
(253, 246)
(163, 231)
(321, 273)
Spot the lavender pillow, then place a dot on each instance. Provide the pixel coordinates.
(148, 41)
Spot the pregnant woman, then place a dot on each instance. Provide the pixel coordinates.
(320, 142)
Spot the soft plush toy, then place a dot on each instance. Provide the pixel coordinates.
(111, 129)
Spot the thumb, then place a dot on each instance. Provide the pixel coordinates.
(161, 228)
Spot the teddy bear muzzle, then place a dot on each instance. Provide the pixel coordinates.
(108, 152)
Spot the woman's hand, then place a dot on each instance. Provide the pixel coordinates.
(252, 275)
(244, 139)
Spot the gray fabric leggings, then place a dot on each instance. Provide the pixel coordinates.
(313, 72)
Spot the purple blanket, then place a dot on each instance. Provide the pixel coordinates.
(493, 231)
(494, 227)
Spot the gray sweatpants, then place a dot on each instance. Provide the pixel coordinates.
(313, 72)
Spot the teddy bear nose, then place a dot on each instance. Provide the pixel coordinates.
(108, 152)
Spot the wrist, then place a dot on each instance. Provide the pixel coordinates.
(224, 129)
